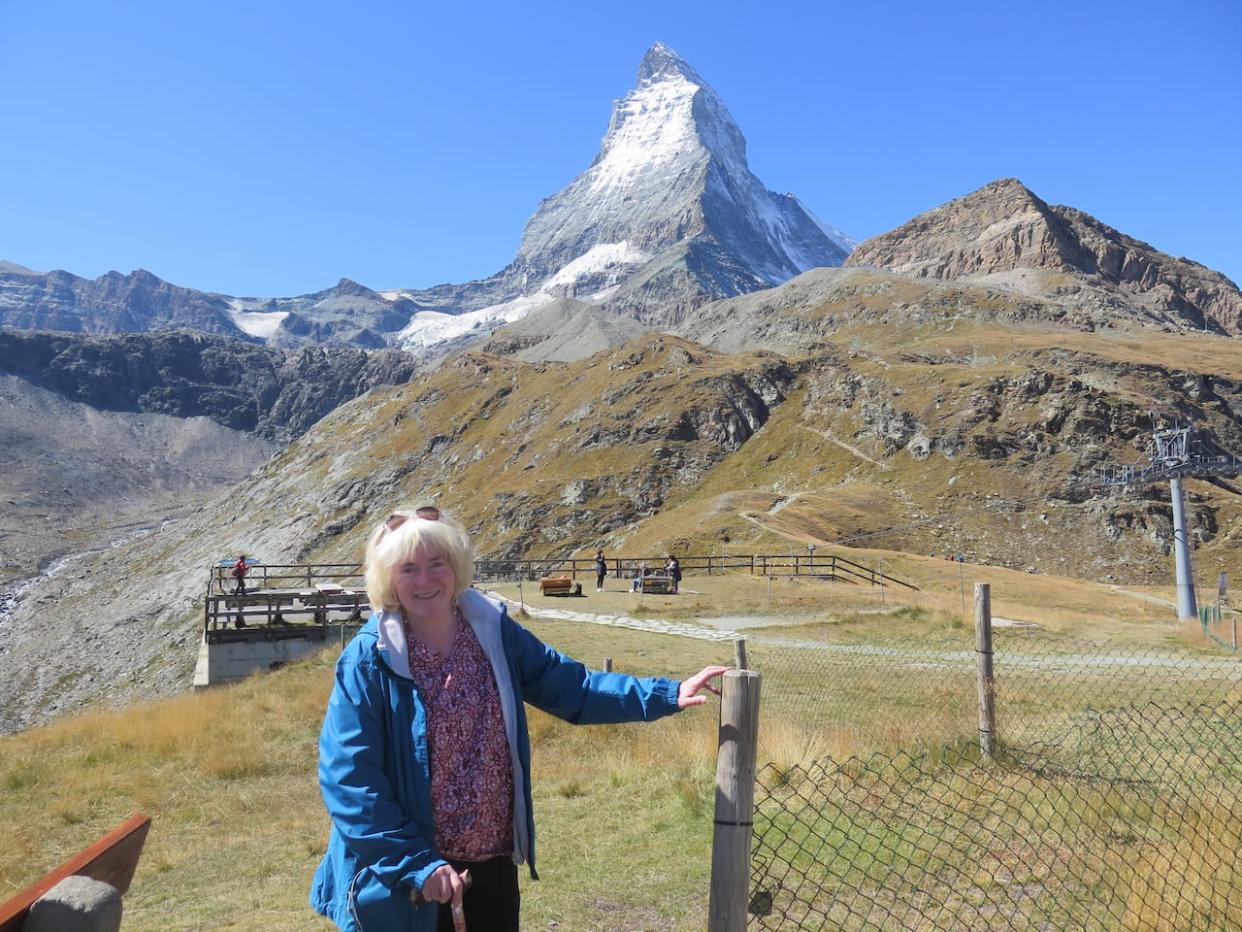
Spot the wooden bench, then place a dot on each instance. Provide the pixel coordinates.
(559, 585)
(112, 860)
(658, 584)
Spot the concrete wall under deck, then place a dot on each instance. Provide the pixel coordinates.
(234, 660)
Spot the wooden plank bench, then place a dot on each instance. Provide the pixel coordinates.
(658, 584)
(112, 860)
(559, 585)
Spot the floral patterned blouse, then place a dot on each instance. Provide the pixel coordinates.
(471, 774)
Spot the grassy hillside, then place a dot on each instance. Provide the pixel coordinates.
(228, 777)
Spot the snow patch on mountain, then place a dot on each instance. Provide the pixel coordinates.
(601, 265)
(427, 328)
(261, 324)
(652, 128)
(606, 260)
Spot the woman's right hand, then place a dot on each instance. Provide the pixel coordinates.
(445, 885)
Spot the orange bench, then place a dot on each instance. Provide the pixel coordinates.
(559, 585)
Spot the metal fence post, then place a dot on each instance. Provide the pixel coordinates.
(983, 656)
(735, 800)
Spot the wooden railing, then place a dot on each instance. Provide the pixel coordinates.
(827, 566)
(287, 576)
(283, 600)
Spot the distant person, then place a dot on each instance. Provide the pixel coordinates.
(424, 756)
(240, 568)
(601, 570)
(672, 569)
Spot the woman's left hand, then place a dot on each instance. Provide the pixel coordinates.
(688, 693)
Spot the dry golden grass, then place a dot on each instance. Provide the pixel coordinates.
(1190, 881)
(228, 775)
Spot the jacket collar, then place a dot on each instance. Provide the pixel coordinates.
(479, 610)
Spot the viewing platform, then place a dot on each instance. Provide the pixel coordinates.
(286, 612)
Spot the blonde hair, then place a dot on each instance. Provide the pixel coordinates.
(389, 547)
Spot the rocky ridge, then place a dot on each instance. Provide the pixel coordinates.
(112, 303)
(1002, 230)
(274, 393)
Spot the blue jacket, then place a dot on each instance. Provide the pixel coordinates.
(374, 770)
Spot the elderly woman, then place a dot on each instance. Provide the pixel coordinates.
(424, 757)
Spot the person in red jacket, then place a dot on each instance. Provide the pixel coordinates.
(239, 573)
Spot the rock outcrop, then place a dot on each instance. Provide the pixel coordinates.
(112, 303)
(1001, 230)
(275, 393)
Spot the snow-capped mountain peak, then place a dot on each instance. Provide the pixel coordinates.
(672, 170)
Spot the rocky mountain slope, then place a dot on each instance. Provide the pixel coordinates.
(112, 303)
(947, 432)
(1005, 236)
(103, 434)
(74, 478)
(274, 393)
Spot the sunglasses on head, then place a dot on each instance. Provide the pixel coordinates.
(398, 518)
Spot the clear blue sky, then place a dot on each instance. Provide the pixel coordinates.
(269, 148)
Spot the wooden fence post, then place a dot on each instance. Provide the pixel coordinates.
(983, 656)
(739, 653)
(735, 800)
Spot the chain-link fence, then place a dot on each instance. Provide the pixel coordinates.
(1220, 625)
(1113, 801)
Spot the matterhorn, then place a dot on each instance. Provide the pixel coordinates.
(667, 216)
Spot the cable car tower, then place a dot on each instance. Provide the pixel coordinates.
(1173, 453)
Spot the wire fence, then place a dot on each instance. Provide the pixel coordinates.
(1113, 799)
(1220, 626)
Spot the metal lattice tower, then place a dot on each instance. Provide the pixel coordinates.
(1174, 453)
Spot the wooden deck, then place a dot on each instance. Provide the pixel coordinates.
(281, 613)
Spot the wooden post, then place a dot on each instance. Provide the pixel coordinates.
(735, 799)
(607, 664)
(983, 656)
(739, 653)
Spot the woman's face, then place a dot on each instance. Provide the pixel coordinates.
(425, 584)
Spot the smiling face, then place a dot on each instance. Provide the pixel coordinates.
(425, 584)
